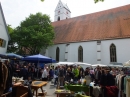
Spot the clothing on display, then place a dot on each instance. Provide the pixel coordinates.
(112, 91)
(128, 88)
(3, 77)
(123, 84)
(96, 91)
(9, 78)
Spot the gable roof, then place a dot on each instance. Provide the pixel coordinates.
(65, 6)
(108, 24)
(4, 21)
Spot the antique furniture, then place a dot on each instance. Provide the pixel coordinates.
(36, 85)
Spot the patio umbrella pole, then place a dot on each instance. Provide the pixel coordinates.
(38, 67)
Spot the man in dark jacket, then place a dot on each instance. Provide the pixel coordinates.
(107, 79)
(24, 73)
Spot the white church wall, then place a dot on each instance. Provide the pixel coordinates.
(52, 51)
(122, 50)
(3, 34)
(89, 52)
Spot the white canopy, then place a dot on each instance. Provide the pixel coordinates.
(115, 65)
(80, 63)
(127, 63)
(101, 65)
(83, 65)
(65, 63)
(62, 63)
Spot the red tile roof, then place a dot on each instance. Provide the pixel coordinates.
(108, 24)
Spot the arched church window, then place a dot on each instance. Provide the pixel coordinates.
(58, 18)
(113, 53)
(80, 54)
(57, 53)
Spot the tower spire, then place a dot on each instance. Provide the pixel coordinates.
(62, 11)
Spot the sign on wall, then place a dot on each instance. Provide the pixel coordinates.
(2, 42)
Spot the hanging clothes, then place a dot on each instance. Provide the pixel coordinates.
(112, 91)
(125, 82)
(122, 83)
(3, 77)
(96, 91)
(9, 78)
(128, 87)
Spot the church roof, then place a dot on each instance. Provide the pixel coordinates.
(108, 24)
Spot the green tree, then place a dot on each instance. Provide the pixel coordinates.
(98, 1)
(34, 34)
(10, 29)
(12, 47)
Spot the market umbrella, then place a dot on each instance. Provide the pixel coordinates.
(53, 61)
(3, 56)
(38, 59)
(10, 56)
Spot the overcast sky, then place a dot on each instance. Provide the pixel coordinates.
(16, 11)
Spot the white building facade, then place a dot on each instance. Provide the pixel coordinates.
(4, 36)
(93, 52)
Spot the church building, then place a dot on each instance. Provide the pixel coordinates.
(4, 35)
(102, 37)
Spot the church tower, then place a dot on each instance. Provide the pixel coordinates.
(62, 11)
